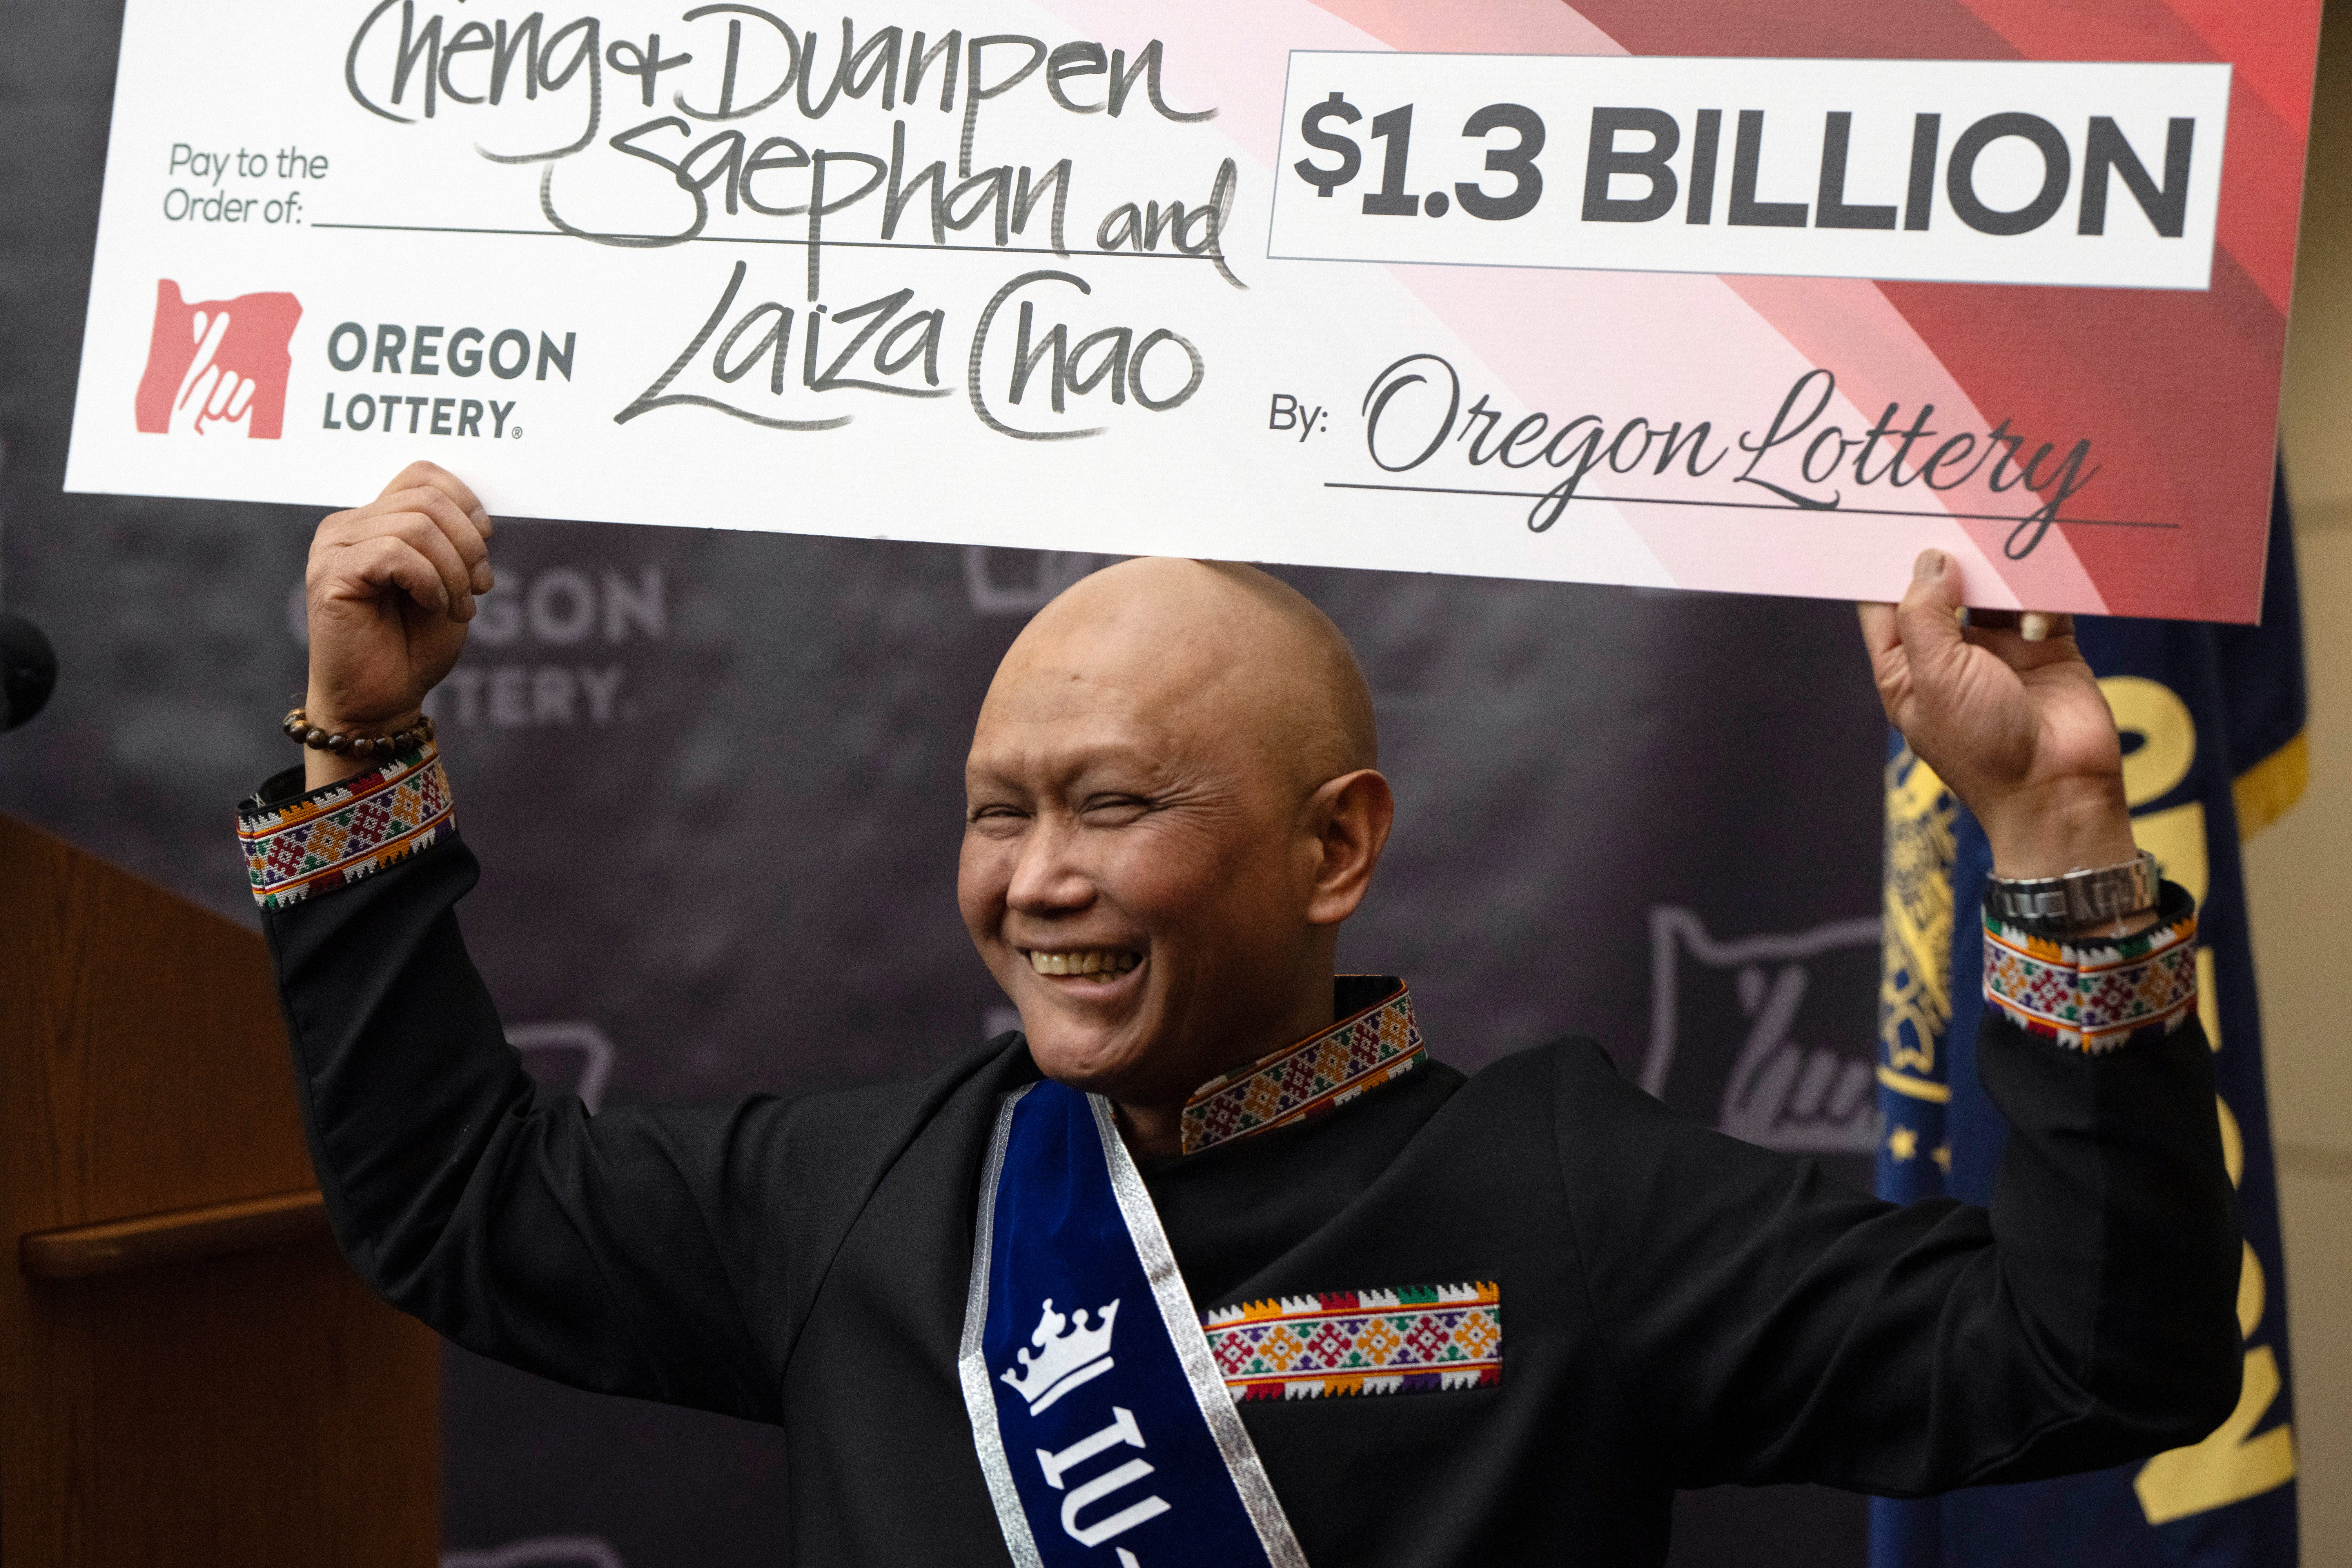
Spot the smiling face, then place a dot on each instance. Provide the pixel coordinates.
(1170, 811)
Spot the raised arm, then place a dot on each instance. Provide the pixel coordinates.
(662, 1253)
(1781, 1328)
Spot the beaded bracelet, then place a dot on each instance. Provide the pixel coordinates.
(298, 727)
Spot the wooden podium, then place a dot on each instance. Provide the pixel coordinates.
(189, 1373)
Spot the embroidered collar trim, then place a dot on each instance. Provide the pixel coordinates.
(1376, 1041)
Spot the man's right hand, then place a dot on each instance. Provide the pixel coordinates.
(389, 590)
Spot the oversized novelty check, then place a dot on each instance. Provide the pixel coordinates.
(1613, 293)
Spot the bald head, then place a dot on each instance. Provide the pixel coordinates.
(1210, 648)
(1170, 807)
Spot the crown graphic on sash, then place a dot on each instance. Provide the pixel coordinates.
(1068, 1354)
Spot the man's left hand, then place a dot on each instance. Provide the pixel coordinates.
(2017, 729)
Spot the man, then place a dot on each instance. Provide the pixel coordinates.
(1210, 1263)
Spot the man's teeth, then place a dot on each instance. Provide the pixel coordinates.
(1105, 962)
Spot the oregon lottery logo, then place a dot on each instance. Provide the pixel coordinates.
(217, 367)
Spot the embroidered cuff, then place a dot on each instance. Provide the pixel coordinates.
(2103, 994)
(1412, 1340)
(317, 842)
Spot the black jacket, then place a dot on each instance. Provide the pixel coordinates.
(1679, 1308)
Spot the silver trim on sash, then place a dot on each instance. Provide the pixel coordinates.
(971, 1367)
(1184, 1331)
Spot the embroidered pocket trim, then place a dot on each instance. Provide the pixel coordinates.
(1417, 1340)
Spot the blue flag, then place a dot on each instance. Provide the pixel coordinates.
(2212, 719)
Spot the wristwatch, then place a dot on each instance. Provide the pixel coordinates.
(2054, 905)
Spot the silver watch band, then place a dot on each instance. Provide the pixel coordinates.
(2050, 905)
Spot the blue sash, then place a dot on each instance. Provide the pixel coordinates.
(1103, 1427)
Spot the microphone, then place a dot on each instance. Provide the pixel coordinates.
(28, 669)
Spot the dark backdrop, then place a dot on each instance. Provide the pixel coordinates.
(715, 778)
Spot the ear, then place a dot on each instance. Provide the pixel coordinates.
(1350, 817)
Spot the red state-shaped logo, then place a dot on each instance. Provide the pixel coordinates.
(219, 367)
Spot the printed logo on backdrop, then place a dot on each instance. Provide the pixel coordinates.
(547, 649)
(1022, 581)
(540, 1552)
(572, 1057)
(217, 367)
(1769, 1029)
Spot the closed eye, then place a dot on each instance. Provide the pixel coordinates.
(1114, 810)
